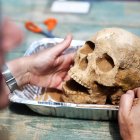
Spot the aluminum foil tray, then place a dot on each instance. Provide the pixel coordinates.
(60, 109)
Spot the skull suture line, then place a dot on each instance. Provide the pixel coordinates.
(105, 68)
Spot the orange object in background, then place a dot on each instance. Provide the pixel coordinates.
(32, 27)
(51, 23)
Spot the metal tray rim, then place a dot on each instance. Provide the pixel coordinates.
(64, 105)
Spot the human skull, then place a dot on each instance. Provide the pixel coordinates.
(106, 67)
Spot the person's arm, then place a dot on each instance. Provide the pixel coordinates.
(11, 37)
(129, 115)
(47, 68)
(18, 70)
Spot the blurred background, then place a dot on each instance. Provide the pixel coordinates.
(81, 18)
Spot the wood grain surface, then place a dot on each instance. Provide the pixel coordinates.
(18, 122)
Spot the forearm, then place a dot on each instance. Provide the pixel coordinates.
(20, 69)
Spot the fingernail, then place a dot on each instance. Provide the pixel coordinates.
(130, 92)
(68, 35)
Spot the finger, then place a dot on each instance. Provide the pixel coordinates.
(60, 86)
(126, 102)
(137, 92)
(67, 77)
(67, 60)
(70, 56)
(58, 49)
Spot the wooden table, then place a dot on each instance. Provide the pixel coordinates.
(18, 122)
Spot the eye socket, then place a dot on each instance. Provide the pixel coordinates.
(88, 48)
(105, 63)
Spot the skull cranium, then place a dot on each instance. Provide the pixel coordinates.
(105, 67)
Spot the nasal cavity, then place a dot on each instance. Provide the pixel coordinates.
(87, 48)
(105, 63)
(83, 64)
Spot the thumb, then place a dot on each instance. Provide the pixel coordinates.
(126, 102)
(58, 49)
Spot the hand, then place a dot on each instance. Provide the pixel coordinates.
(47, 68)
(129, 115)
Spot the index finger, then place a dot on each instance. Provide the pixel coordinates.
(58, 49)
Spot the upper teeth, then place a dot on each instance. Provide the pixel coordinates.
(78, 80)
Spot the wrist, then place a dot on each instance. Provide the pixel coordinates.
(9, 78)
(20, 70)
